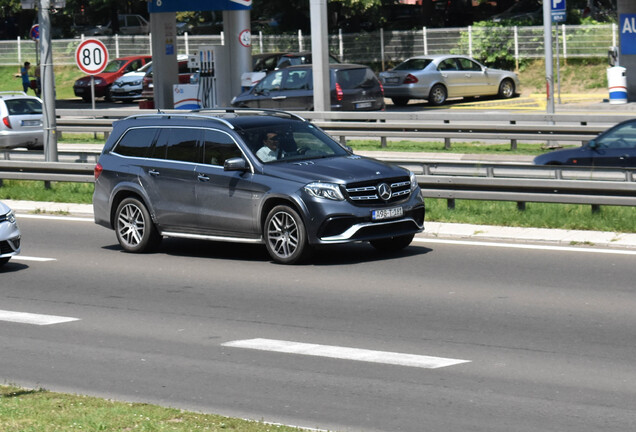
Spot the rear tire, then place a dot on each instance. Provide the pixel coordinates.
(134, 228)
(438, 95)
(285, 235)
(400, 101)
(392, 244)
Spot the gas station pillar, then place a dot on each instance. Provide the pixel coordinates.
(238, 39)
(165, 69)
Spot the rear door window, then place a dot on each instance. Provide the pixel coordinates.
(178, 144)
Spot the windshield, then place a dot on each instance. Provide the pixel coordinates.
(413, 64)
(290, 141)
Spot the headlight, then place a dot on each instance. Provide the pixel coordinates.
(136, 83)
(414, 183)
(99, 81)
(10, 217)
(324, 190)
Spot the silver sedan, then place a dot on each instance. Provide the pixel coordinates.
(9, 234)
(437, 78)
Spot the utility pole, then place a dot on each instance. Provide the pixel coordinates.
(547, 44)
(47, 78)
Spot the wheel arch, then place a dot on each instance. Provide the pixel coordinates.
(121, 194)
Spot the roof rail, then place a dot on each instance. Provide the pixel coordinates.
(266, 111)
(180, 115)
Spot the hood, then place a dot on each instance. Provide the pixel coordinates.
(342, 170)
(4, 209)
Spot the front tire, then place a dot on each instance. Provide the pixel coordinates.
(134, 228)
(285, 235)
(392, 244)
(3, 261)
(438, 95)
(506, 89)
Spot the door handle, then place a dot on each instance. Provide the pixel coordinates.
(153, 172)
(279, 97)
(203, 177)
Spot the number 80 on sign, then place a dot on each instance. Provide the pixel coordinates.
(91, 56)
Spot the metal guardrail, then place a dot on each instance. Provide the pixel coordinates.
(446, 180)
(446, 126)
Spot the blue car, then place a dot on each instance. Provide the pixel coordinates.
(616, 147)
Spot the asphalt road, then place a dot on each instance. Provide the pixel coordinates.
(546, 338)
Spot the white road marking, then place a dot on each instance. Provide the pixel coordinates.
(36, 319)
(51, 217)
(527, 246)
(30, 258)
(345, 353)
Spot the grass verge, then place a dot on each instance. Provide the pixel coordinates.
(537, 215)
(44, 411)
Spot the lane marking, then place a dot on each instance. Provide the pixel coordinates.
(527, 246)
(30, 258)
(50, 217)
(35, 319)
(345, 353)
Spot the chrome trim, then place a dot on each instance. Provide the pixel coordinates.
(213, 238)
(348, 234)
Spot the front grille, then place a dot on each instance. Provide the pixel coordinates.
(369, 192)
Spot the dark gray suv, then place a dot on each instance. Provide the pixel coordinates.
(249, 176)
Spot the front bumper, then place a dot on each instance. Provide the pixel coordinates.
(9, 239)
(330, 222)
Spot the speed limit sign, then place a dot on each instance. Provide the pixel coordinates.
(91, 56)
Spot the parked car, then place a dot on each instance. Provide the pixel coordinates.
(353, 88)
(128, 87)
(9, 234)
(525, 12)
(437, 78)
(114, 69)
(265, 62)
(299, 58)
(129, 24)
(615, 147)
(185, 77)
(205, 177)
(20, 121)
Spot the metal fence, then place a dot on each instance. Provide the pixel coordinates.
(366, 48)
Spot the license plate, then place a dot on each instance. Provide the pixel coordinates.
(364, 105)
(387, 213)
(31, 123)
(79, 90)
(392, 80)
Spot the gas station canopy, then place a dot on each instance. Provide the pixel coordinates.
(155, 6)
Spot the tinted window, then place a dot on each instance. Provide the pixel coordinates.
(356, 78)
(271, 82)
(469, 65)
(448, 65)
(135, 142)
(297, 80)
(413, 64)
(178, 144)
(218, 147)
(23, 106)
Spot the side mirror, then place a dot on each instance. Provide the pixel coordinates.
(592, 144)
(235, 164)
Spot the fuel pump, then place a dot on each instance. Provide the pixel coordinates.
(213, 62)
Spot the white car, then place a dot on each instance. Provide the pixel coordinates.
(128, 87)
(9, 234)
(20, 121)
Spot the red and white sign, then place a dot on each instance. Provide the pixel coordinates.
(245, 38)
(91, 56)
